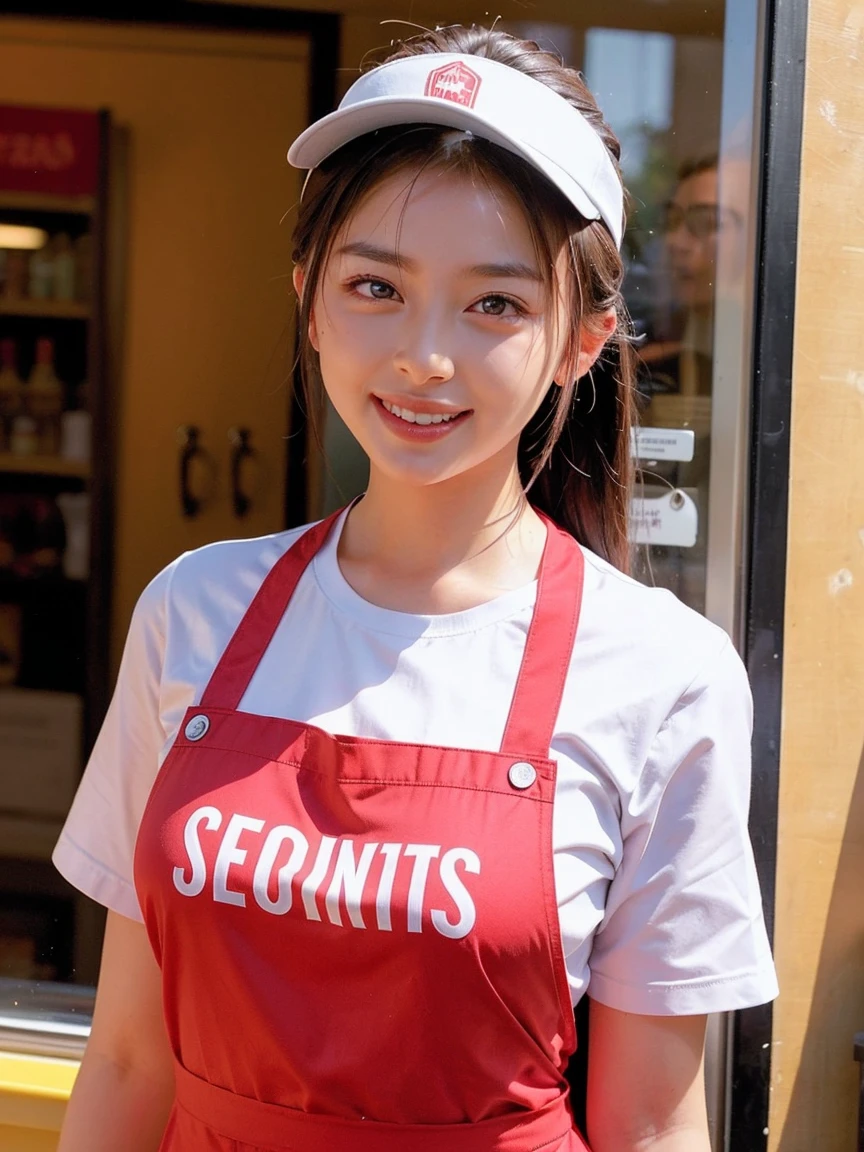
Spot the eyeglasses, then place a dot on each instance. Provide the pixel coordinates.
(701, 220)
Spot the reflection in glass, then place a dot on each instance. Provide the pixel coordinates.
(45, 1019)
(670, 164)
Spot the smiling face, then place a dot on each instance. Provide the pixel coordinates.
(435, 330)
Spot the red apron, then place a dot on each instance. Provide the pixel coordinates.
(359, 939)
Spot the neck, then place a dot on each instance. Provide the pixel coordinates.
(441, 547)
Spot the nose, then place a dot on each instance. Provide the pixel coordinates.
(678, 239)
(421, 358)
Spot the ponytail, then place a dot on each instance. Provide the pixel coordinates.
(582, 475)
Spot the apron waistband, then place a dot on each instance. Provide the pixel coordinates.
(280, 1129)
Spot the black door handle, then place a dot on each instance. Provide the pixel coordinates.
(189, 436)
(240, 451)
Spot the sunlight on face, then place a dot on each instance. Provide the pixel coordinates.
(436, 334)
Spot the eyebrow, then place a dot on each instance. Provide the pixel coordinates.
(513, 270)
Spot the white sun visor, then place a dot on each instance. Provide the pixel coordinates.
(494, 102)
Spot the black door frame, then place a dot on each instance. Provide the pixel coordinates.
(783, 112)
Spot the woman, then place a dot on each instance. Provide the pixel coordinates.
(431, 766)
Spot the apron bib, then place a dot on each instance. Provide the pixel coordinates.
(358, 938)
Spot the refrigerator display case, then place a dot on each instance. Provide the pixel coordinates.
(55, 461)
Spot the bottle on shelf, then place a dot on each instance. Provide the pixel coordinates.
(75, 427)
(44, 398)
(17, 274)
(84, 267)
(11, 391)
(24, 436)
(64, 268)
(75, 510)
(41, 281)
(48, 540)
(38, 535)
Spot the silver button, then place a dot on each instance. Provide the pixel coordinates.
(522, 775)
(198, 727)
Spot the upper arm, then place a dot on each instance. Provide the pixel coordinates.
(645, 1081)
(96, 846)
(683, 931)
(128, 1021)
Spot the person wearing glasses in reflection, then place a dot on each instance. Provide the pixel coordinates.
(678, 361)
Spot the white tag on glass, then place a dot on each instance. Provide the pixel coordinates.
(663, 444)
(670, 519)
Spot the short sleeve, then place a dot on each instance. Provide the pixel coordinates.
(97, 844)
(683, 932)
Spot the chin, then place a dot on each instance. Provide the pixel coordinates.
(413, 477)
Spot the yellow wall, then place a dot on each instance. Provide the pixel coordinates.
(820, 895)
(205, 309)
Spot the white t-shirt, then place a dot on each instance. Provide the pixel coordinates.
(657, 893)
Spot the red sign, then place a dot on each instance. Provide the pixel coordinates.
(455, 82)
(49, 150)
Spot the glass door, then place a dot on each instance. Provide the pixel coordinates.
(681, 89)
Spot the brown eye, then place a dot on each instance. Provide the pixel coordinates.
(494, 305)
(371, 289)
(380, 290)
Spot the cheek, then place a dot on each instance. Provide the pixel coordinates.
(342, 331)
(520, 367)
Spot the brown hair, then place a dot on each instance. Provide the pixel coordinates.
(574, 454)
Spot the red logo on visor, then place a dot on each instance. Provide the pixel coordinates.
(454, 82)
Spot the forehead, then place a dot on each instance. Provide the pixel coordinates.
(446, 212)
(700, 188)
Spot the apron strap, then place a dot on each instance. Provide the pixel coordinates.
(241, 657)
(545, 662)
(548, 648)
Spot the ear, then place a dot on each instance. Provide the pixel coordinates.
(593, 338)
(299, 278)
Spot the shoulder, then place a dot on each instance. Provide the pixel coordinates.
(214, 580)
(650, 625)
(642, 648)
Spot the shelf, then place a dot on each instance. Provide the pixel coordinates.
(44, 466)
(40, 202)
(52, 578)
(46, 309)
(27, 837)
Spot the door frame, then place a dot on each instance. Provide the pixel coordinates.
(785, 27)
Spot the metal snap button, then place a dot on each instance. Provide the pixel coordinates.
(522, 775)
(197, 727)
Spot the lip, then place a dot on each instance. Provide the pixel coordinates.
(419, 405)
(420, 432)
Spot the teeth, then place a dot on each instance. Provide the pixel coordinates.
(419, 417)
